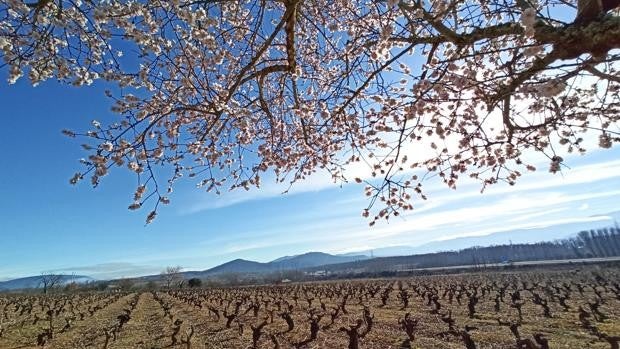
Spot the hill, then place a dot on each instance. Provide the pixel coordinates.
(238, 266)
(302, 261)
(35, 281)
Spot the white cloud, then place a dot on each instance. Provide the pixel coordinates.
(538, 198)
(496, 215)
(531, 182)
(541, 213)
(541, 179)
(350, 249)
(270, 189)
(112, 270)
(502, 209)
(529, 225)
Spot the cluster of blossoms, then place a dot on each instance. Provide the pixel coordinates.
(222, 92)
(605, 141)
(528, 21)
(551, 88)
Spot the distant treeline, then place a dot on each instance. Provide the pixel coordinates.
(587, 244)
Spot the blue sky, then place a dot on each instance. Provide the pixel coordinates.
(48, 225)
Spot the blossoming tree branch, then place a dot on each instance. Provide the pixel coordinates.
(227, 91)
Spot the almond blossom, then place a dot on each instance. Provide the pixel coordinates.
(222, 92)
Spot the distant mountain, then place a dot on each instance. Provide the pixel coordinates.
(518, 236)
(359, 258)
(318, 259)
(35, 282)
(314, 259)
(388, 251)
(239, 266)
(306, 260)
(283, 258)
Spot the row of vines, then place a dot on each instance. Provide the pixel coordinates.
(560, 309)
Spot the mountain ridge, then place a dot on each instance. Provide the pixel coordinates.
(36, 281)
(317, 259)
(532, 235)
(301, 261)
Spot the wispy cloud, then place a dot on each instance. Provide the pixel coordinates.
(270, 189)
(529, 225)
(112, 270)
(541, 179)
(496, 213)
(544, 199)
(540, 213)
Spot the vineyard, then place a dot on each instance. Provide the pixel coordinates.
(534, 310)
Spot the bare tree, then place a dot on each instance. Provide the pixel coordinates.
(172, 276)
(49, 280)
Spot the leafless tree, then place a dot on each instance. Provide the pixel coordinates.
(49, 280)
(172, 276)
